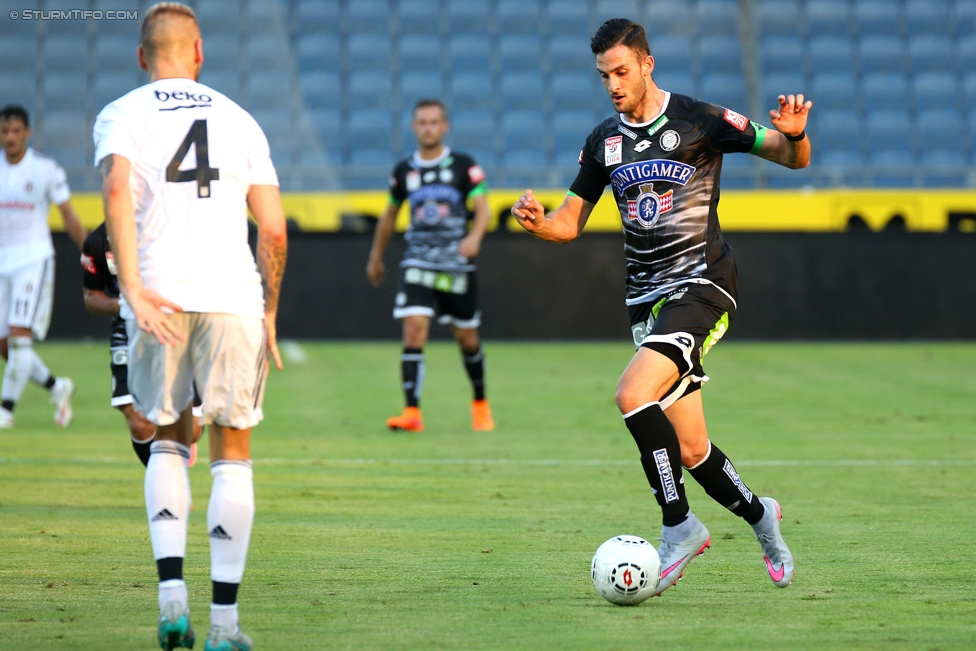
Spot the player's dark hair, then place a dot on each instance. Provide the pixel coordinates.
(620, 31)
(14, 111)
(424, 103)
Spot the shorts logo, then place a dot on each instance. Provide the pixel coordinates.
(88, 264)
(734, 476)
(649, 205)
(670, 140)
(413, 180)
(613, 150)
(110, 263)
(667, 477)
(736, 120)
(120, 356)
(642, 145)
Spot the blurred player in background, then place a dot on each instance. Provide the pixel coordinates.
(662, 156)
(437, 274)
(29, 183)
(181, 164)
(100, 285)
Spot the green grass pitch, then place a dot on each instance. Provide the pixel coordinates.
(367, 539)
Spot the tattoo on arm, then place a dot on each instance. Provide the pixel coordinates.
(105, 166)
(271, 264)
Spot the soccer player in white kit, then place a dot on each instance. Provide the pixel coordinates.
(181, 164)
(29, 183)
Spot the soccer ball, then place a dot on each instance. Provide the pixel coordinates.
(626, 570)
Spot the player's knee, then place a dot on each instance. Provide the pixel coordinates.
(693, 452)
(140, 428)
(629, 397)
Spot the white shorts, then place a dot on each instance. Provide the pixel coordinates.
(225, 354)
(26, 298)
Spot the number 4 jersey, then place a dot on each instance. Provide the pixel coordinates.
(194, 155)
(665, 179)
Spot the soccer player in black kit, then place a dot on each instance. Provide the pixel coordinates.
(437, 274)
(662, 157)
(100, 284)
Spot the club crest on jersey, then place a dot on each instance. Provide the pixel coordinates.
(613, 151)
(649, 171)
(431, 212)
(649, 205)
(736, 120)
(670, 140)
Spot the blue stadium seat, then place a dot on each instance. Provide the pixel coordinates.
(65, 135)
(673, 53)
(887, 129)
(828, 17)
(842, 158)
(881, 54)
(216, 17)
(112, 85)
(226, 83)
(420, 53)
(370, 128)
(575, 91)
(931, 53)
(317, 17)
(607, 9)
(966, 17)
(877, 18)
(368, 52)
(317, 52)
(64, 91)
(222, 52)
(276, 125)
(780, 17)
(522, 90)
(472, 130)
(569, 20)
(830, 54)
(835, 90)
(371, 89)
(518, 16)
(682, 83)
(68, 53)
(267, 91)
(520, 52)
(783, 178)
(573, 126)
(772, 86)
(967, 53)
(930, 16)
(720, 54)
(266, 18)
(885, 90)
(526, 158)
(321, 89)
(328, 124)
(726, 89)
(268, 52)
(935, 90)
(18, 88)
(717, 18)
(469, 53)
(367, 17)
(416, 17)
(969, 91)
(471, 91)
(893, 168)
(780, 54)
(55, 26)
(524, 131)
(940, 129)
(19, 52)
(667, 17)
(419, 85)
(378, 158)
(571, 53)
(466, 16)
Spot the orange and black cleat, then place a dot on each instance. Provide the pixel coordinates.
(409, 421)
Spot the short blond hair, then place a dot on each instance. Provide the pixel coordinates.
(146, 33)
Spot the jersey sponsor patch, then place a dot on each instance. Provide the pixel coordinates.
(736, 120)
(613, 150)
(475, 174)
(650, 171)
(88, 264)
(627, 132)
(413, 180)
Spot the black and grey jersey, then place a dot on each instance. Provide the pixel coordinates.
(664, 175)
(438, 192)
(100, 274)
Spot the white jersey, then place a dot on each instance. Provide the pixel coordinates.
(194, 154)
(27, 191)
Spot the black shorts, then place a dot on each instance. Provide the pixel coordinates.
(452, 296)
(683, 326)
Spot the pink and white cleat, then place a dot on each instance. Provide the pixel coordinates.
(776, 555)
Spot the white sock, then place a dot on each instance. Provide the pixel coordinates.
(168, 498)
(39, 373)
(224, 615)
(173, 590)
(229, 519)
(20, 360)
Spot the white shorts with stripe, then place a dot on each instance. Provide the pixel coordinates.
(26, 298)
(227, 356)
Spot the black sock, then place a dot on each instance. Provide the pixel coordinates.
(8, 405)
(49, 383)
(718, 477)
(225, 593)
(474, 364)
(170, 568)
(661, 458)
(142, 450)
(412, 370)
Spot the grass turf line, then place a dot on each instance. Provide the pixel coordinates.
(410, 554)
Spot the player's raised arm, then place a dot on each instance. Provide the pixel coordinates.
(564, 224)
(788, 145)
(265, 204)
(375, 269)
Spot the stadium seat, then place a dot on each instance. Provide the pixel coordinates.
(967, 53)
(321, 89)
(835, 90)
(68, 53)
(67, 27)
(516, 16)
(570, 128)
(893, 168)
(367, 17)
(842, 158)
(370, 89)
(227, 83)
(318, 52)
(18, 88)
(522, 90)
(520, 52)
(571, 54)
(682, 83)
(328, 125)
(969, 91)
(772, 86)
(673, 53)
(830, 54)
(575, 91)
(415, 17)
(317, 17)
(216, 17)
(469, 53)
(828, 17)
(65, 135)
(877, 18)
(931, 16)
(780, 54)
(778, 177)
(19, 52)
(419, 85)
(267, 91)
(471, 90)
(64, 91)
(529, 158)
(726, 89)
(266, 18)
(366, 52)
(222, 52)
(569, 20)
(667, 17)
(888, 129)
(931, 53)
(717, 18)
(887, 90)
(420, 53)
(607, 9)
(276, 124)
(523, 131)
(934, 90)
(472, 130)
(965, 17)
(881, 54)
(940, 129)
(720, 54)
(780, 17)
(112, 85)
(368, 129)
(466, 16)
(268, 52)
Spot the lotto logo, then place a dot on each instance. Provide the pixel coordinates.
(736, 120)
